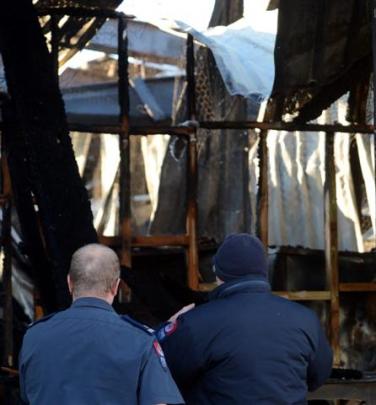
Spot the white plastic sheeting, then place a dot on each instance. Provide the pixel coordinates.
(153, 150)
(243, 56)
(296, 180)
(366, 148)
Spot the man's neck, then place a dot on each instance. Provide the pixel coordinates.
(108, 298)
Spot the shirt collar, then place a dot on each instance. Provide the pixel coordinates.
(250, 283)
(92, 302)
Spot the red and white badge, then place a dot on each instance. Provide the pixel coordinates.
(170, 328)
(160, 354)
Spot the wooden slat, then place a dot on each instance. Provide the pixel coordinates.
(357, 287)
(192, 171)
(346, 390)
(331, 243)
(191, 219)
(147, 241)
(304, 295)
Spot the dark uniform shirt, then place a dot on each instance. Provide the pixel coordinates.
(247, 346)
(89, 354)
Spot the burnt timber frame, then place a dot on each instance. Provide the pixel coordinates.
(124, 129)
(5, 245)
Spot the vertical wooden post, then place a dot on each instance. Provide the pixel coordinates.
(331, 242)
(192, 172)
(191, 85)
(7, 285)
(7, 355)
(374, 78)
(191, 225)
(125, 186)
(55, 45)
(263, 191)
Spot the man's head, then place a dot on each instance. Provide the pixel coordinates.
(94, 272)
(240, 255)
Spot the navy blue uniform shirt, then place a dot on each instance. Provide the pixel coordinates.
(88, 354)
(247, 346)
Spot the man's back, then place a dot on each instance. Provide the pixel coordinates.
(247, 346)
(89, 355)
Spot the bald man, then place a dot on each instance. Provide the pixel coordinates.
(88, 354)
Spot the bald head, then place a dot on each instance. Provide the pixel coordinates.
(94, 271)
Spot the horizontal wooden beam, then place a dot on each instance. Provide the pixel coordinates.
(291, 295)
(361, 390)
(287, 126)
(115, 129)
(357, 287)
(147, 241)
(81, 12)
(186, 130)
(304, 295)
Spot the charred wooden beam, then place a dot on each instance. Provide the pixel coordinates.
(45, 178)
(81, 12)
(374, 80)
(124, 145)
(185, 130)
(287, 126)
(6, 206)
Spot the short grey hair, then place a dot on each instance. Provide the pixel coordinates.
(94, 269)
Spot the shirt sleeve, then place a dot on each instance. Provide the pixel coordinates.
(156, 385)
(23, 397)
(320, 364)
(186, 354)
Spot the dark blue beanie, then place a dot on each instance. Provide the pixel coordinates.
(240, 255)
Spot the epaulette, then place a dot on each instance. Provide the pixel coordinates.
(43, 319)
(138, 325)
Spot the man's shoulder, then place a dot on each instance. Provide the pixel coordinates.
(137, 326)
(41, 321)
(295, 310)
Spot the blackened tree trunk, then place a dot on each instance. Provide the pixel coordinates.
(40, 155)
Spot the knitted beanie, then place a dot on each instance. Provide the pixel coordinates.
(240, 255)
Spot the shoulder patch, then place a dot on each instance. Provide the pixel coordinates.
(138, 325)
(166, 330)
(158, 350)
(41, 320)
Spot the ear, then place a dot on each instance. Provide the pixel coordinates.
(115, 287)
(70, 285)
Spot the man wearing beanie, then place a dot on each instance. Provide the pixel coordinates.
(246, 345)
